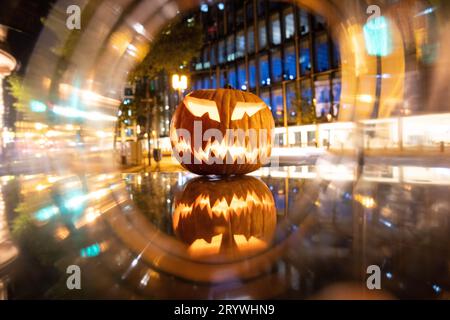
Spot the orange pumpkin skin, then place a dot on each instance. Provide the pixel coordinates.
(241, 206)
(261, 122)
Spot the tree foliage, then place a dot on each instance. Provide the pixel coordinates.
(176, 45)
(20, 92)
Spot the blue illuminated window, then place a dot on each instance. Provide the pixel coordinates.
(222, 79)
(277, 105)
(292, 103)
(250, 40)
(262, 34)
(304, 22)
(213, 81)
(232, 77)
(213, 55)
(265, 96)
(306, 102)
(240, 44)
(231, 51)
(322, 55)
(264, 70)
(304, 58)
(276, 29)
(252, 73)
(336, 92)
(277, 71)
(221, 53)
(198, 84)
(322, 92)
(206, 83)
(242, 78)
(289, 63)
(289, 24)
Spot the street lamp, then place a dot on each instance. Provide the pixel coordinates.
(180, 84)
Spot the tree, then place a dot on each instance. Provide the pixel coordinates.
(172, 49)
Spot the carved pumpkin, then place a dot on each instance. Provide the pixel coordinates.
(222, 132)
(234, 216)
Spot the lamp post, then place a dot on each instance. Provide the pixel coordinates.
(180, 84)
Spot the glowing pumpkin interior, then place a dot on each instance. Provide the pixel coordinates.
(225, 218)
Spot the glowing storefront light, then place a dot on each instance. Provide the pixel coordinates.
(37, 106)
(377, 36)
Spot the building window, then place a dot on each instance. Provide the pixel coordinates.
(304, 22)
(198, 84)
(252, 73)
(222, 78)
(230, 48)
(336, 56)
(240, 44)
(213, 81)
(306, 107)
(319, 23)
(277, 105)
(322, 55)
(264, 70)
(240, 19)
(262, 34)
(276, 29)
(232, 77)
(292, 102)
(304, 58)
(265, 96)
(250, 39)
(290, 69)
(206, 84)
(261, 8)
(230, 16)
(289, 24)
(336, 95)
(322, 96)
(221, 53)
(213, 55)
(242, 79)
(206, 63)
(249, 10)
(277, 71)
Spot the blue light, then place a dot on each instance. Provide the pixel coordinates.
(389, 275)
(377, 37)
(204, 7)
(436, 288)
(37, 106)
(46, 213)
(386, 223)
(221, 6)
(91, 251)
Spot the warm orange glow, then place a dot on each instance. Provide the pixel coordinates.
(249, 108)
(198, 107)
(222, 207)
(247, 149)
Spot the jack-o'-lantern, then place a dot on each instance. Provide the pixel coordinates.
(222, 132)
(225, 218)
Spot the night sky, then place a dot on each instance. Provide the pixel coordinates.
(23, 18)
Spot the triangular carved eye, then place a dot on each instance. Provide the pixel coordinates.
(198, 107)
(249, 108)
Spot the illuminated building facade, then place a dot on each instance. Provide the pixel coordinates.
(276, 50)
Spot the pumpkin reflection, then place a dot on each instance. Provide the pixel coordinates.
(231, 217)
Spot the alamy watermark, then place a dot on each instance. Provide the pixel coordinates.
(73, 21)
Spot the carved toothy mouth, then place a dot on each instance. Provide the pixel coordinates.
(236, 147)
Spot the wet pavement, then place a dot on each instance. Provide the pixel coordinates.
(297, 232)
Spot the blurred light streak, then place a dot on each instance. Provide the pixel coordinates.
(89, 115)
